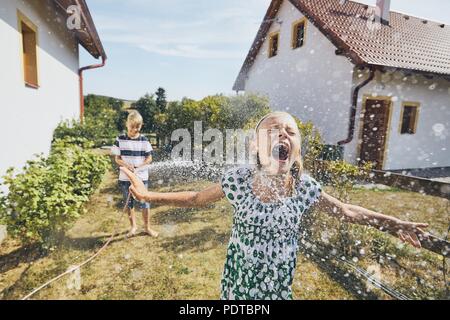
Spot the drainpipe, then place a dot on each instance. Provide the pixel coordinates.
(80, 74)
(351, 127)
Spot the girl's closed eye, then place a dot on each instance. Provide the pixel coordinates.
(291, 131)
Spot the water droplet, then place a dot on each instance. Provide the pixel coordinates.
(433, 86)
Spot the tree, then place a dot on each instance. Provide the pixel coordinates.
(100, 125)
(121, 120)
(95, 105)
(238, 111)
(161, 101)
(218, 111)
(147, 107)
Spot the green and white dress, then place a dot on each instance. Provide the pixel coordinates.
(262, 251)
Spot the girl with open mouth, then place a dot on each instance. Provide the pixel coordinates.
(269, 202)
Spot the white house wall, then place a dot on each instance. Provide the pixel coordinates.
(315, 85)
(29, 116)
(310, 82)
(430, 146)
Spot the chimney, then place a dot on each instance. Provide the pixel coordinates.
(384, 7)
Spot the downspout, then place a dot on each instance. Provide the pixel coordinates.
(351, 127)
(80, 74)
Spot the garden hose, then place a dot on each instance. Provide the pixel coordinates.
(70, 270)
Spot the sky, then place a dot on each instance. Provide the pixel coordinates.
(192, 48)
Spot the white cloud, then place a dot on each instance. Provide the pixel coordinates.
(203, 30)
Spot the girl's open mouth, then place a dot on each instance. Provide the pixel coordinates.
(281, 152)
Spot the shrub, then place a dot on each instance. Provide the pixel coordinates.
(342, 175)
(95, 132)
(219, 112)
(312, 145)
(102, 121)
(47, 196)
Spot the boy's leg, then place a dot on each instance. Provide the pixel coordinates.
(146, 216)
(132, 218)
(125, 187)
(148, 229)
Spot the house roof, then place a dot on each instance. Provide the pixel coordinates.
(407, 42)
(87, 35)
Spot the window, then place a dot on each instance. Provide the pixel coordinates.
(29, 51)
(409, 118)
(273, 44)
(298, 33)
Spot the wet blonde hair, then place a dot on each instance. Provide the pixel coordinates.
(297, 167)
(135, 119)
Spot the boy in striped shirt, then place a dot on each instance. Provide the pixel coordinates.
(134, 151)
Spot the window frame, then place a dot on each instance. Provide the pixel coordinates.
(271, 37)
(294, 33)
(415, 105)
(23, 19)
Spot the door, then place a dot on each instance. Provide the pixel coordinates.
(374, 131)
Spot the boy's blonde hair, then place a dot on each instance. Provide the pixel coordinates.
(134, 118)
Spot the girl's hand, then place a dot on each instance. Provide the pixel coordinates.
(137, 188)
(410, 232)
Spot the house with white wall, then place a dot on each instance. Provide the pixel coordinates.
(375, 83)
(40, 75)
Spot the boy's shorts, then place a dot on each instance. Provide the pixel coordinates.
(133, 203)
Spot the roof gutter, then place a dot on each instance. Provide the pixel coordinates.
(351, 127)
(91, 29)
(80, 75)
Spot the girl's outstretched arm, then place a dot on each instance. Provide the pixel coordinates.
(410, 232)
(177, 199)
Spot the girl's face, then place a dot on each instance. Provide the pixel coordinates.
(133, 129)
(278, 143)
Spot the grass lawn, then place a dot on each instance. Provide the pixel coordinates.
(186, 261)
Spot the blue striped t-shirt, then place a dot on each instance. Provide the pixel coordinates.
(133, 152)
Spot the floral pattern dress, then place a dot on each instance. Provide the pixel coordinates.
(262, 252)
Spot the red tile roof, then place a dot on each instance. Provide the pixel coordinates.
(408, 42)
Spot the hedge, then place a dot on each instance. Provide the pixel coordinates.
(47, 196)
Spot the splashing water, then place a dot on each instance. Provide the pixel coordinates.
(432, 86)
(184, 171)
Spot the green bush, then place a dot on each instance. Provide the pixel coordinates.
(342, 175)
(95, 132)
(103, 120)
(312, 143)
(219, 112)
(48, 195)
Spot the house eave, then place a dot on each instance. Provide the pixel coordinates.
(87, 35)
